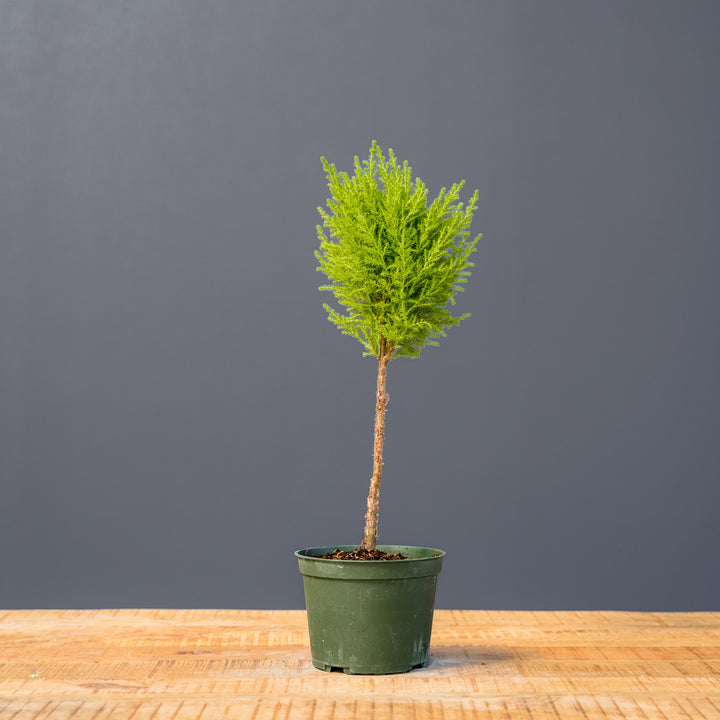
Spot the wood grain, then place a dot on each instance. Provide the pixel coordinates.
(255, 665)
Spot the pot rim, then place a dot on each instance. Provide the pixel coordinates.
(322, 549)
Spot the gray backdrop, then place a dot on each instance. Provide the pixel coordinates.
(177, 416)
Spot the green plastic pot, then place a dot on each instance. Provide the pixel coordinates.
(370, 617)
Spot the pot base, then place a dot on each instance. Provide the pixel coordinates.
(364, 671)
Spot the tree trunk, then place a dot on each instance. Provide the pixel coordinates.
(373, 501)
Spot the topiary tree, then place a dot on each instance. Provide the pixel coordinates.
(394, 264)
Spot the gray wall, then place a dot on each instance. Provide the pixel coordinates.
(177, 415)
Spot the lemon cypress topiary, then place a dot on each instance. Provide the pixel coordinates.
(394, 264)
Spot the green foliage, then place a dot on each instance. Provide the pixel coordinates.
(393, 262)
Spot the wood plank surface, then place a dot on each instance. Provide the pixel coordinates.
(255, 665)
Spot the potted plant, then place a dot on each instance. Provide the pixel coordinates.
(394, 264)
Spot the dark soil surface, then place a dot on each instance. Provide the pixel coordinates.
(362, 554)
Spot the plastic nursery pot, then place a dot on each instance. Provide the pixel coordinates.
(370, 617)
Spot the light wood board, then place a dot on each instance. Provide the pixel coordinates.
(255, 665)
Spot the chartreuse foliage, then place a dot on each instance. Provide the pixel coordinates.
(394, 263)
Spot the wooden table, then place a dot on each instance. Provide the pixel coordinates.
(255, 665)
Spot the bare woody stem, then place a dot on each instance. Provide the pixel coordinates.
(373, 501)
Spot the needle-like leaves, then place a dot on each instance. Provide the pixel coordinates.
(393, 262)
